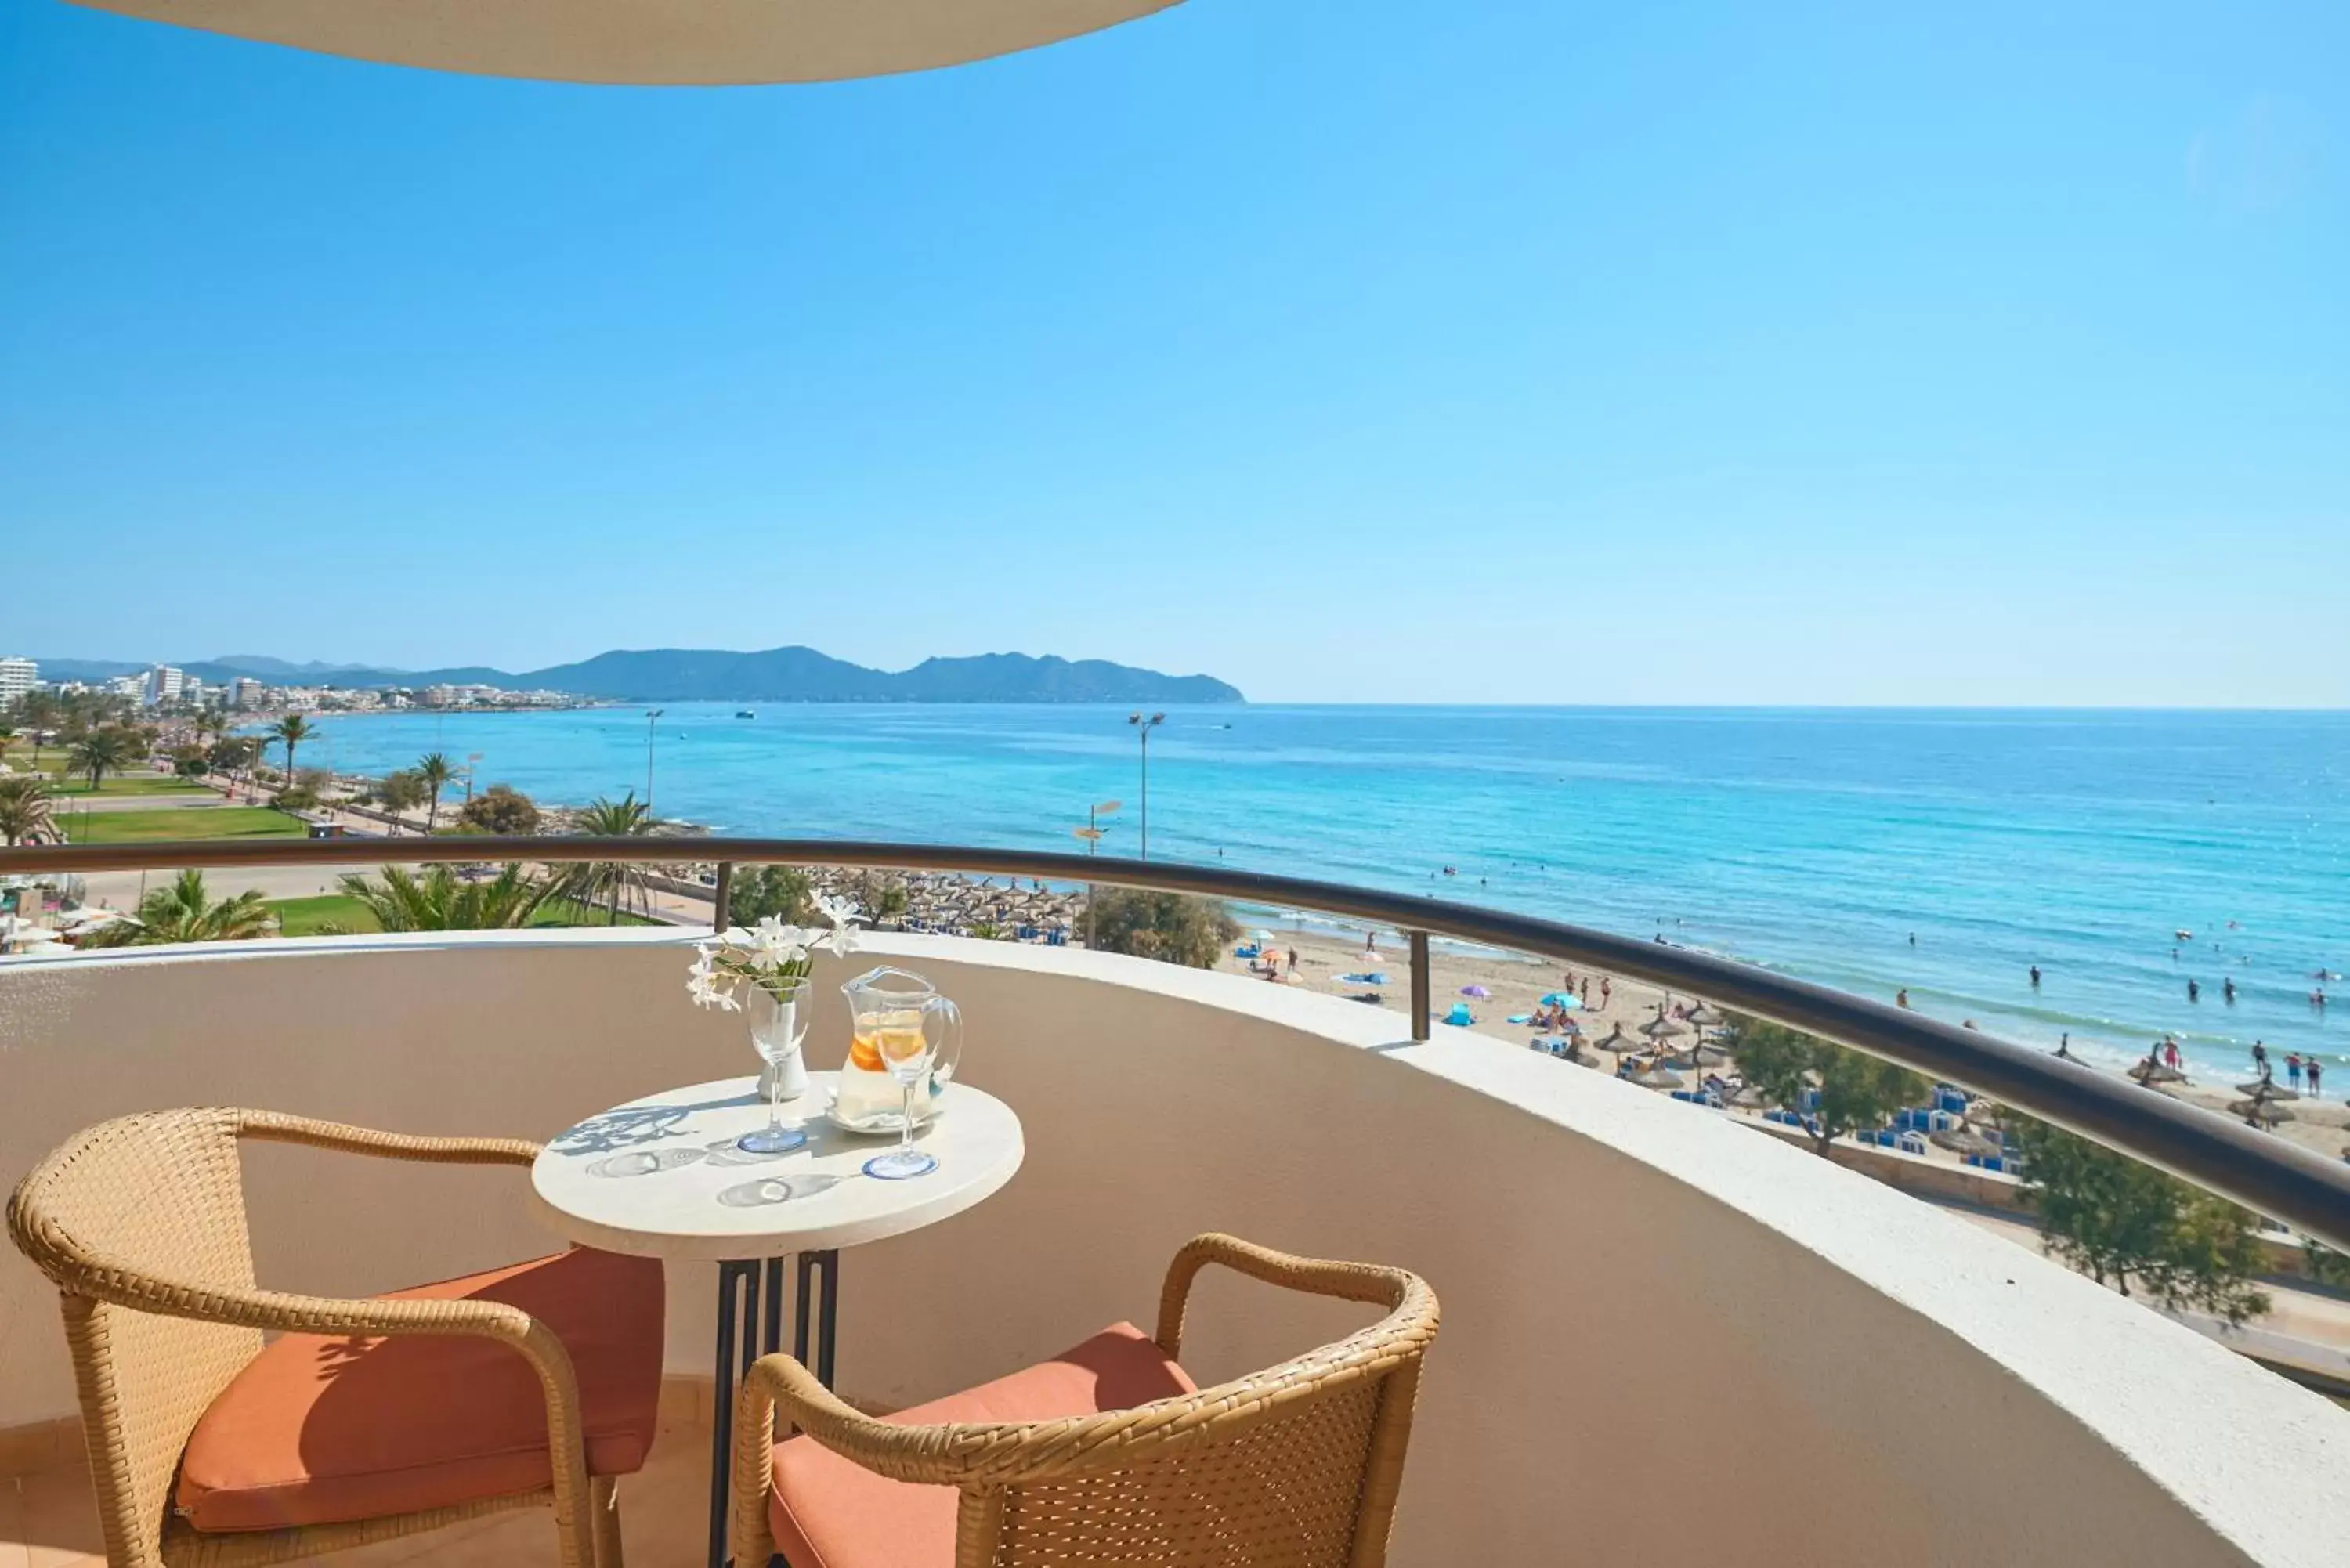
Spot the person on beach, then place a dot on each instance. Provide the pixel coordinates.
(2314, 1071)
(2036, 977)
(2228, 990)
(2065, 1046)
(2171, 1054)
(1901, 997)
(2292, 1069)
(1606, 989)
(2194, 992)
(2261, 1057)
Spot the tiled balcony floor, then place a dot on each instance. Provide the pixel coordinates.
(47, 1519)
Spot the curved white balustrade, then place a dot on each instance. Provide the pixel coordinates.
(1666, 1339)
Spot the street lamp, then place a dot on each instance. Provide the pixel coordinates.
(1142, 728)
(653, 717)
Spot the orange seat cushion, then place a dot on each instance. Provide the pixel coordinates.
(320, 1428)
(827, 1511)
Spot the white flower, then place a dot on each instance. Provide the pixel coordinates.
(706, 985)
(774, 946)
(842, 937)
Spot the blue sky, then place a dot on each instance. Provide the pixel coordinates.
(1688, 353)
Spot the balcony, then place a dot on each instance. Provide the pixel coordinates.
(1666, 1339)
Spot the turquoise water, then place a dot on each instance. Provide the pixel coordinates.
(1815, 841)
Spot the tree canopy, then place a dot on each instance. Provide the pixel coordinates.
(183, 910)
(782, 891)
(440, 900)
(1174, 927)
(500, 809)
(1856, 1090)
(2123, 1224)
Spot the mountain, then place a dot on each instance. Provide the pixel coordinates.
(715, 675)
(804, 675)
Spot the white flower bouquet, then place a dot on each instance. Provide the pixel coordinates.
(770, 955)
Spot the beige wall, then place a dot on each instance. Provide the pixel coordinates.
(1666, 1338)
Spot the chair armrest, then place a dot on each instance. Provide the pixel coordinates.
(276, 1127)
(1351, 1281)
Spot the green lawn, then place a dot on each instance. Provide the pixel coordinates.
(132, 784)
(303, 917)
(161, 826)
(141, 782)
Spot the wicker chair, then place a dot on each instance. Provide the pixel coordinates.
(1294, 1466)
(142, 1224)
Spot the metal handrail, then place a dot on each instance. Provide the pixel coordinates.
(2257, 1169)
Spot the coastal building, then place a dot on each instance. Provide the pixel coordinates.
(134, 687)
(163, 684)
(17, 676)
(245, 693)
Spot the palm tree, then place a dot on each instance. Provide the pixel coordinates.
(181, 910)
(101, 752)
(440, 901)
(36, 710)
(608, 881)
(26, 806)
(435, 769)
(289, 732)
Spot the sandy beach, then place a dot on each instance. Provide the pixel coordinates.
(1517, 986)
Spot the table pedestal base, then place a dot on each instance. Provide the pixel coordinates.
(750, 1325)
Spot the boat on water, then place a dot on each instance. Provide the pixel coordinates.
(744, 713)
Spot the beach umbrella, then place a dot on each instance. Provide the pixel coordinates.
(1478, 991)
(1561, 999)
(1747, 1097)
(1616, 1040)
(1703, 1013)
(1966, 1140)
(2259, 1111)
(2267, 1089)
(1710, 1055)
(1659, 1078)
(1677, 1061)
(2153, 1072)
(1661, 1029)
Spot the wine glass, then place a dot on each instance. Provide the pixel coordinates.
(907, 1054)
(779, 1023)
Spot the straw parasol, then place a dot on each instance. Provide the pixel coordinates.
(1617, 1041)
(2153, 1072)
(2267, 1089)
(2258, 1112)
(1662, 1029)
(1703, 1013)
(1659, 1078)
(1966, 1140)
(1708, 1054)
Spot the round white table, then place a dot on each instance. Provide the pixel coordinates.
(660, 1177)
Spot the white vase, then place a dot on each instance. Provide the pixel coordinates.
(778, 1029)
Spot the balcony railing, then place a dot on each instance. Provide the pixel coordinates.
(2263, 1173)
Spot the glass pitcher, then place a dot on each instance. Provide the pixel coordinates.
(884, 1001)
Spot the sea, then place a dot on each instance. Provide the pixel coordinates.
(1946, 852)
